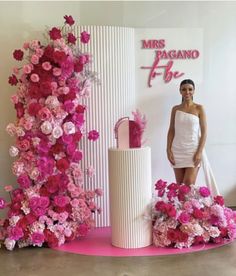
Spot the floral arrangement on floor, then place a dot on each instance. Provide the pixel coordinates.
(50, 205)
(188, 215)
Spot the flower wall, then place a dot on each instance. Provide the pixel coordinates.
(50, 206)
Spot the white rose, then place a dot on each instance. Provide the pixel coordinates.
(13, 151)
(57, 132)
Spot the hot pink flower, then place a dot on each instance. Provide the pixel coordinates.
(12, 80)
(37, 239)
(18, 54)
(71, 38)
(34, 59)
(204, 191)
(61, 201)
(82, 229)
(55, 33)
(24, 181)
(69, 20)
(219, 199)
(62, 164)
(184, 217)
(16, 233)
(160, 184)
(93, 135)
(84, 37)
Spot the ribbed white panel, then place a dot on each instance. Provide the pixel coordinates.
(112, 50)
(130, 197)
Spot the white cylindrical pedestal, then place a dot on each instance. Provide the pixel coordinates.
(130, 197)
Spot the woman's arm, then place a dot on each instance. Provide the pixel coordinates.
(202, 140)
(170, 136)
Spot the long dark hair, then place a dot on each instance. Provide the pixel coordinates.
(186, 81)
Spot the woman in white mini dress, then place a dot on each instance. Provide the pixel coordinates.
(186, 136)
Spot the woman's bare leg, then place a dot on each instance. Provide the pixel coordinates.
(179, 175)
(190, 175)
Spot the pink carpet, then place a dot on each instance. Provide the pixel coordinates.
(98, 243)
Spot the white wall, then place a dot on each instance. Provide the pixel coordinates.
(21, 21)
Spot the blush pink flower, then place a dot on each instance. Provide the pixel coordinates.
(2, 203)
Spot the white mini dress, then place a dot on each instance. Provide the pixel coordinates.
(185, 144)
(186, 139)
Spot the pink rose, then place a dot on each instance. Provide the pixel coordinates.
(16, 233)
(61, 201)
(46, 66)
(44, 114)
(27, 68)
(39, 52)
(204, 191)
(34, 78)
(56, 71)
(34, 59)
(184, 217)
(23, 145)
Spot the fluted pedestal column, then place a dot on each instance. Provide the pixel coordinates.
(130, 197)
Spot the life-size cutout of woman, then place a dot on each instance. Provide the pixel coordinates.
(186, 135)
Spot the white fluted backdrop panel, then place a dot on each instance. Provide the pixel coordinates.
(130, 197)
(112, 50)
